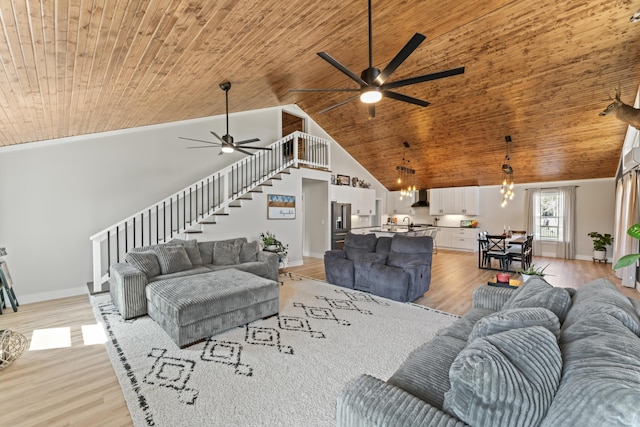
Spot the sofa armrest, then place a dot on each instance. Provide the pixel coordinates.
(126, 286)
(368, 401)
(375, 258)
(335, 253)
(272, 260)
(491, 297)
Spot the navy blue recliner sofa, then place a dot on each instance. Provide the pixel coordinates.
(397, 267)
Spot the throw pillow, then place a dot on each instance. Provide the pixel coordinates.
(249, 251)
(357, 245)
(191, 246)
(515, 318)
(147, 262)
(226, 253)
(537, 292)
(508, 379)
(206, 252)
(172, 259)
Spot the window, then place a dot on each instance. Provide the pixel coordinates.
(548, 216)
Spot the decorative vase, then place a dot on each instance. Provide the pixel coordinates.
(502, 278)
(271, 248)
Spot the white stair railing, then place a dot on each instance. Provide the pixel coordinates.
(209, 196)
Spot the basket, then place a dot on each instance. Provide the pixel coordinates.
(12, 345)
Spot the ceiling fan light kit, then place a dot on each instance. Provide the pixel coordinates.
(370, 96)
(372, 81)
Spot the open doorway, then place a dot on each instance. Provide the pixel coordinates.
(290, 124)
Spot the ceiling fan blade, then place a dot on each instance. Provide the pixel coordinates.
(405, 98)
(254, 148)
(246, 141)
(197, 140)
(218, 136)
(207, 146)
(338, 104)
(425, 78)
(339, 66)
(325, 90)
(248, 153)
(400, 57)
(372, 111)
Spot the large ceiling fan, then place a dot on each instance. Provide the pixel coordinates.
(226, 141)
(372, 81)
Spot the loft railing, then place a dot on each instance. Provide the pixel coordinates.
(211, 195)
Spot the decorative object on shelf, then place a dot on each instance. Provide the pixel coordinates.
(600, 243)
(281, 207)
(373, 82)
(354, 181)
(507, 184)
(3, 251)
(227, 144)
(343, 180)
(406, 175)
(12, 345)
(629, 259)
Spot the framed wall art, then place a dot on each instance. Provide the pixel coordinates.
(343, 180)
(281, 207)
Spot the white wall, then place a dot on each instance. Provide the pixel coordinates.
(595, 200)
(55, 194)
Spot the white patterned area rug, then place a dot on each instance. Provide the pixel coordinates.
(287, 370)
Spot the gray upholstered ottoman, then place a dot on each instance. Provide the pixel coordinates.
(195, 307)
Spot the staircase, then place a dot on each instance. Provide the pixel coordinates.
(200, 204)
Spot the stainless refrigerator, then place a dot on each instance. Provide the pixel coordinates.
(340, 223)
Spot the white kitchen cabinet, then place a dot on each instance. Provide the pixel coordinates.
(340, 193)
(363, 201)
(443, 237)
(456, 201)
(399, 204)
(464, 239)
(440, 201)
(466, 200)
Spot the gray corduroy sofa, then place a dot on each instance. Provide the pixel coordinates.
(398, 267)
(180, 259)
(534, 356)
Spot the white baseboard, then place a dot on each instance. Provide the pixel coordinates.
(47, 296)
(314, 255)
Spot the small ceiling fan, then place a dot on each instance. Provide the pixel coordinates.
(372, 80)
(226, 141)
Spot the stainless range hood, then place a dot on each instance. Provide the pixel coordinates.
(423, 200)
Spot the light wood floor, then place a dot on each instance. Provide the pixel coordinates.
(76, 386)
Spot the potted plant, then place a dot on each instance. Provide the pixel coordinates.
(629, 259)
(271, 244)
(532, 270)
(600, 243)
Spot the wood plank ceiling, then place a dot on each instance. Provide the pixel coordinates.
(538, 71)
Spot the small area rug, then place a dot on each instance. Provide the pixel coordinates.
(286, 370)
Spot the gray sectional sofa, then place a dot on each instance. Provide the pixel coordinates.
(182, 259)
(534, 356)
(398, 267)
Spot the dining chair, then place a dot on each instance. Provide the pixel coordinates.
(522, 253)
(483, 246)
(497, 249)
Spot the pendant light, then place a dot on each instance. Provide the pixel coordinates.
(506, 188)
